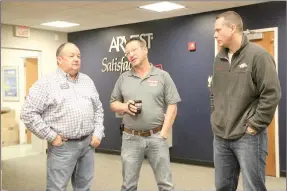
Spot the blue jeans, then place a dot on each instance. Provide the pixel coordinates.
(73, 160)
(134, 148)
(247, 154)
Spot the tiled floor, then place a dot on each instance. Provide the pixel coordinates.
(16, 151)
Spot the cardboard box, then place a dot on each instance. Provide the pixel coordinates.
(7, 118)
(10, 136)
(9, 128)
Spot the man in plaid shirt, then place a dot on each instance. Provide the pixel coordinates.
(64, 109)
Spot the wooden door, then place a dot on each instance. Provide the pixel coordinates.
(31, 68)
(268, 43)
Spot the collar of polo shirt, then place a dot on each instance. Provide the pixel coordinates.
(152, 71)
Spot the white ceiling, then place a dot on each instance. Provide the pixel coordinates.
(98, 14)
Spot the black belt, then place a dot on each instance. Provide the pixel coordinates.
(79, 139)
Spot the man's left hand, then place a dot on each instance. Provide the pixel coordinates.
(95, 142)
(163, 134)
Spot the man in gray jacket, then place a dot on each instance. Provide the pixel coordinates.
(245, 92)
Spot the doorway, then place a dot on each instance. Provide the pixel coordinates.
(31, 71)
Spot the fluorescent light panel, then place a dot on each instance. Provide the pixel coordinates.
(60, 24)
(162, 6)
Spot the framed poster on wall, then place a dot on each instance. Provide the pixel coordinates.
(10, 83)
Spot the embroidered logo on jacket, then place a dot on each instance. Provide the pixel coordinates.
(243, 65)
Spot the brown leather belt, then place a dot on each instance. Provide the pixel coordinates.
(145, 133)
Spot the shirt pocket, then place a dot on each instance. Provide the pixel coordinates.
(85, 93)
(85, 99)
(243, 82)
(64, 96)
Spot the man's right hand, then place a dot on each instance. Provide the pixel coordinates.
(58, 141)
(130, 108)
(251, 131)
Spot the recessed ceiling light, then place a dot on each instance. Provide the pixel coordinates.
(60, 24)
(162, 6)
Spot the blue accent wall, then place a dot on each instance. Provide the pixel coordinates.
(192, 135)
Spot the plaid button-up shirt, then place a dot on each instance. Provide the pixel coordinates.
(58, 105)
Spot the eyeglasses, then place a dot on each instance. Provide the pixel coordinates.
(131, 51)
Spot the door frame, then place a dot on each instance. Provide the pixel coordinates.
(25, 83)
(275, 30)
(38, 56)
(38, 145)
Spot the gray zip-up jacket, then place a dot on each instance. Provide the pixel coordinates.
(245, 92)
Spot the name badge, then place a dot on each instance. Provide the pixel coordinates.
(152, 82)
(64, 86)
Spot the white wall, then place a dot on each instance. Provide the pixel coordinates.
(41, 44)
(40, 40)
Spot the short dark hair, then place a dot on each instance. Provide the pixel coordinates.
(231, 17)
(142, 42)
(61, 47)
